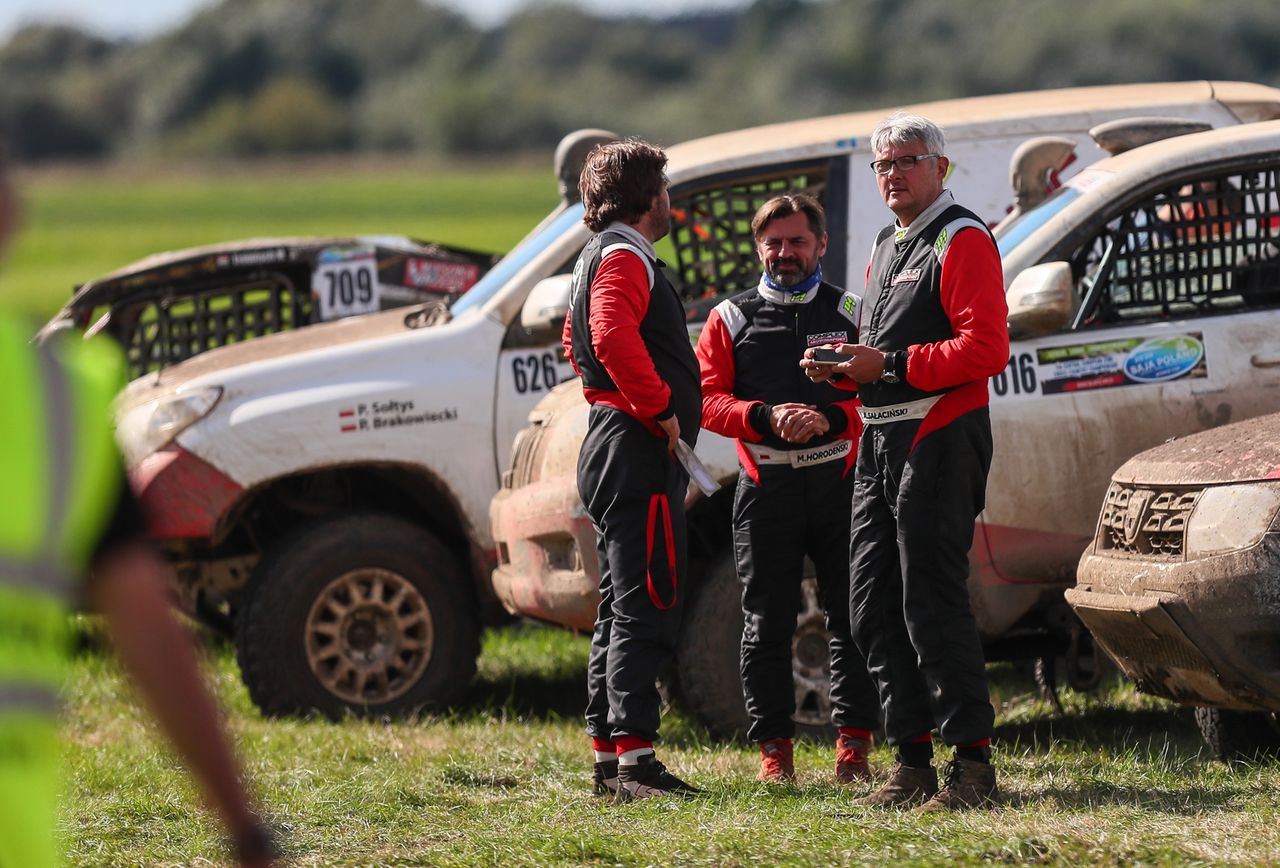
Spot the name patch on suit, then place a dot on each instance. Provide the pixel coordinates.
(906, 276)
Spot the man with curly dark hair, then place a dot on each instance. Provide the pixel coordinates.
(627, 339)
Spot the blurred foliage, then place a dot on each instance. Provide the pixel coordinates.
(284, 76)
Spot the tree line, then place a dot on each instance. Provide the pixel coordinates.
(257, 77)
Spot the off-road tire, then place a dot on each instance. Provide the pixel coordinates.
(367, 614)
(707, 660)
(1239, 735)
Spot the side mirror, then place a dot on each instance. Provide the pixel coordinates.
(571, 153)
(546, 307)
(1040, 300)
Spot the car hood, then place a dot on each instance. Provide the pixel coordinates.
(327, 335)
(1241, 452)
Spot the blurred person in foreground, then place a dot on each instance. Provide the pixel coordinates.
(932, 332)
(795, 488)
(626, 337)
(71, 530)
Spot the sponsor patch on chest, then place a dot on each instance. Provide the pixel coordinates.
(907, 275)
(827, 338)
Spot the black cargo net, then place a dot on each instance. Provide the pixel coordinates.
(711, 231)
(1208, 245)
(159, 332)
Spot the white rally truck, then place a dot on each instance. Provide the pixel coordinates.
(324, 491)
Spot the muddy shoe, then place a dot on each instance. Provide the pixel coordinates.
(851, 760)
(907, 787)
(605, 778)
(777, 763)
(649, 779)
(969, 784)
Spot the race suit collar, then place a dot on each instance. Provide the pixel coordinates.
(945, 200)
(801, 293)
(633, 235)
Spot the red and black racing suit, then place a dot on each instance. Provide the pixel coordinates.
(627, 338)
(792, 500)
(935, 305)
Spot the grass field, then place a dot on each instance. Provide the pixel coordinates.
(504, 779)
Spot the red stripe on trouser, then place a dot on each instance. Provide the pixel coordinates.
(654, 500)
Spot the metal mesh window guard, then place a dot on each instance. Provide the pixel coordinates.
(159, 332)
(711, 231)
(1205, 246)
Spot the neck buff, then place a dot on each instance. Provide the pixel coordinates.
(790, 294)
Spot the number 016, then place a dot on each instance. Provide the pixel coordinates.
(1020, 373)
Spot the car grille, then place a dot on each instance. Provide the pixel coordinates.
(1146, 521)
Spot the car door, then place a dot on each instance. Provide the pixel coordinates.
(1177, 329)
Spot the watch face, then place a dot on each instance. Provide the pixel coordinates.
(889, 377)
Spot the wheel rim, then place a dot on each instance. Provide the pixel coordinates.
(811, 660)
(369, 636)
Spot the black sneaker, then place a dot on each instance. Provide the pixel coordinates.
(605, 778)
(648, 779)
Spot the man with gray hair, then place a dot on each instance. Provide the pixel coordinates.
(932, 331)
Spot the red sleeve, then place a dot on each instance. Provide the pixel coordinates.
(721, 411)
(566, 340)
(850, 407)
(619, 300)
(972, 295)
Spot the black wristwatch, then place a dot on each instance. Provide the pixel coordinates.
(890, 374)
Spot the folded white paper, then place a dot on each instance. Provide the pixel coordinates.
(696, 469)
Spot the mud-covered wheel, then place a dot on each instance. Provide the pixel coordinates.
(1239, 735)
(364, 613)
(707, 671)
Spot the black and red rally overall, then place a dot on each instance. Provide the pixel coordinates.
(626, 336)
(935, 305)
(792, 500)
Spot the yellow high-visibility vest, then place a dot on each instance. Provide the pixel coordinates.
(59, 479)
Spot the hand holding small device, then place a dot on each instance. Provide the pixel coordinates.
(828, 356)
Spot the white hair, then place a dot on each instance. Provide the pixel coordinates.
(901, 128)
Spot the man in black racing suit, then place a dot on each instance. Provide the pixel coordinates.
(794, 493)
(932, 332)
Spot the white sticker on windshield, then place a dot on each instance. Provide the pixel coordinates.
(345, 282)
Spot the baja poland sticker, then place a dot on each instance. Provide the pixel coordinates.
(1162, 359)
(1101, 365)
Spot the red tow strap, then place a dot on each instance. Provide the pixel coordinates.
(654, 501)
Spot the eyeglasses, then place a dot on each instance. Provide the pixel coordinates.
(904, 164)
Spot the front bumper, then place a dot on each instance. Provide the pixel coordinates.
(1202, 631)
(546, 553)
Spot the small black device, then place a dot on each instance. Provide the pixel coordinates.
(828, 356)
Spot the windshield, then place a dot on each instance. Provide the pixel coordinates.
(1022, 226)
(517, 259)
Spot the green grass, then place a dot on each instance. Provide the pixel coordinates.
(504, 780)
(81, 224)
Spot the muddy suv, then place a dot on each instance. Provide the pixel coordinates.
(1182, 583)
(1139, 308)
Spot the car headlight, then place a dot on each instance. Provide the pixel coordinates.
(153, 425)
(1231, 517)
